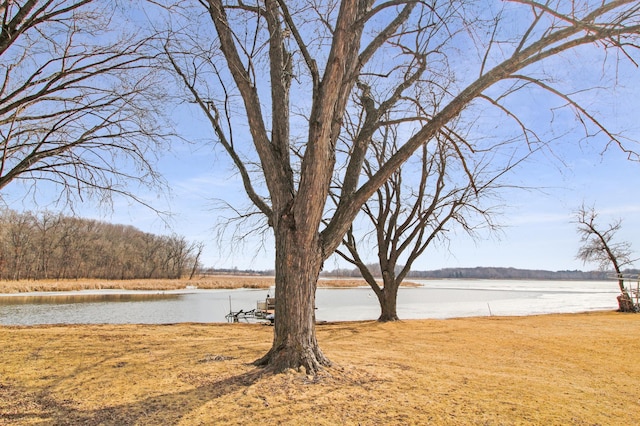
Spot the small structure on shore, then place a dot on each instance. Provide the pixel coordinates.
(265, 310)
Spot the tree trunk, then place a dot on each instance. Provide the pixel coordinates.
(388, 306)
(625, 303)
(297, 271)
(388, 299)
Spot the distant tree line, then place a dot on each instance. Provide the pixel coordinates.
(494, 273)
(47, 245)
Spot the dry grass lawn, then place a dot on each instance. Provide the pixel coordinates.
(578, 369)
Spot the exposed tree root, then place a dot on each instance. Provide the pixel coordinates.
(284, 358)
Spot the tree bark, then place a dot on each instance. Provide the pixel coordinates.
(625, 303)
(387, 299)
(297, 271)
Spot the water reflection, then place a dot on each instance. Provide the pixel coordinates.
(125, 307)
(84, 298)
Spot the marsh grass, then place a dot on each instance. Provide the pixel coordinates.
(208, 282)
(213, 282)
(577, 369)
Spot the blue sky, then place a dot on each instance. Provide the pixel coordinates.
(536, 232)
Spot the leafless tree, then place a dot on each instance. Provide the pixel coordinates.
(18, 245)
(196, 250)
(46, 225)
(599, 245)
(442, 187)
(275, 80)
(80, 101)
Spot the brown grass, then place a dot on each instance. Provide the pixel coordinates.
(578, 369)
(209, 282)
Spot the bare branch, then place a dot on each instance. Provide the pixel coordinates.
(213, 115)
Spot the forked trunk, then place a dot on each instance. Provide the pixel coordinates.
(294, 342)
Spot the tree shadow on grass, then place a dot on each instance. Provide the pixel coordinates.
(167, 408)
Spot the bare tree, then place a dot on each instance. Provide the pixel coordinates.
(80, 103)
(258, 68)
(19, 244)
(196, 249)
(598, 245)
(407, 215)
(46, 224)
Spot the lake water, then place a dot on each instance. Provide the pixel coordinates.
(435, 299)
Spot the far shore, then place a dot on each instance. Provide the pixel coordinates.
(222, 282)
